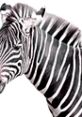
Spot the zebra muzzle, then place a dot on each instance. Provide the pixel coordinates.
(2, 86)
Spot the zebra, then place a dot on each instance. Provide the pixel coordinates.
(12, 45)
(52, 59)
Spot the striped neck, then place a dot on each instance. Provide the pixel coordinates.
(49, 58)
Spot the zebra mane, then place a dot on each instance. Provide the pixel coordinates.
(72, 32)
(59, 27)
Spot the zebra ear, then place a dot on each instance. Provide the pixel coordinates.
(41, 12)
(4, 11)
(38, 16)
(4, 7)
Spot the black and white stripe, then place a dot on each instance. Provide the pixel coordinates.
(56, 72)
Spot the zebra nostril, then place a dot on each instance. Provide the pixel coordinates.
(0, 81)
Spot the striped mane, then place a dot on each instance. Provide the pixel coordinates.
(61, 29)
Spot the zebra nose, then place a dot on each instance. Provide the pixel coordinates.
(2, 86)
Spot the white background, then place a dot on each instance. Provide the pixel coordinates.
(20, 98)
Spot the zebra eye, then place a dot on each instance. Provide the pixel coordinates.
(22, 20)
(19, 64)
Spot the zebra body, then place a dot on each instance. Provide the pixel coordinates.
(54, 62)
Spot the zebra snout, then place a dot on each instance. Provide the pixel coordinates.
(2, 86)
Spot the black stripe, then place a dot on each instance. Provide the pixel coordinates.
(43, 60)
(75, 82)
(76, 38)
(70, 33)
(55, 26)
(54, 85)
(44, 27)
(39, 70)
(61, 32)
(34, 43)
(48, 68)
(35, 58)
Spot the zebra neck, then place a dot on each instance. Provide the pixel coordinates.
(38, 45)
(53, 66)
(27, 52)
(31, 55)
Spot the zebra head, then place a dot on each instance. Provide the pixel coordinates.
(15, 39)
